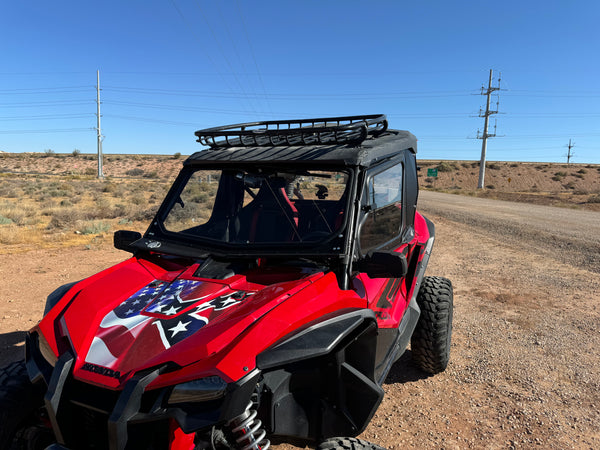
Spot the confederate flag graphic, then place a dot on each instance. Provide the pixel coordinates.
(120, 327)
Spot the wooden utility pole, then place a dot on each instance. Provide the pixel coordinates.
(485, 134)
(98, 129)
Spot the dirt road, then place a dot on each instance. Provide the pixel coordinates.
(570, 235)
(525, 365)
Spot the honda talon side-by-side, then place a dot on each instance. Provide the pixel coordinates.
(281, 278)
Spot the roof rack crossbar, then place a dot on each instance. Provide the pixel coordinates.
(329, 130)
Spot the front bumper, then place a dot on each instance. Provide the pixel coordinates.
(87, 416)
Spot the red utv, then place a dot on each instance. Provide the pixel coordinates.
(281, 278)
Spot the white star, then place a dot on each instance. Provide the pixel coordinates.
(137, 300)
(179, 327)
(129, 311)
(157, 307)
(227, 302)
(172, 310)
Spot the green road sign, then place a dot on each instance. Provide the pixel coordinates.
(432, 173)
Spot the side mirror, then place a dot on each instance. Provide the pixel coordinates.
(383, 265)
(124, 238)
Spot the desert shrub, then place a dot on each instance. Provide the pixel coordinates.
(490, 186)
(594, 199)
(137, 200)
(90, 171)
(202, 197)
(63, 218)
(5, 220)
(445, 166)
(514, 165)
(95, 228)
(177, 155)
(10, 193)
(153, 174)
(19, 215)
(493, 166)
(569, 185)
(56, 193)
(76, 152)
(48, 152)
(109, 187)
(30, 189)
(582, 171)
(135, 172)
(466, 165)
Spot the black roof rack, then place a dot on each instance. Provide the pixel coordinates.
(329, 130)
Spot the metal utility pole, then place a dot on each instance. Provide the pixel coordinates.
(569, 154)
(485, 134)
(98, 129)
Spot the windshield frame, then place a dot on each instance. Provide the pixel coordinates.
(335, 245)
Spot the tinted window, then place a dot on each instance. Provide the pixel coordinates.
(384, 222)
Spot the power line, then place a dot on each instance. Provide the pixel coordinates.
(47, 117)
(55, 130)
(359, 95)
(44, 90)
(252, 53)
(44, 104)
(149, 120)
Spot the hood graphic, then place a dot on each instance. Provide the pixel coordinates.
(165, 313)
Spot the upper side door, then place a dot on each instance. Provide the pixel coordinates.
(380, 228)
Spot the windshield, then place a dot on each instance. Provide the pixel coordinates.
(259, 206)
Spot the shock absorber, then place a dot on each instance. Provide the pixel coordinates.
(247, 431)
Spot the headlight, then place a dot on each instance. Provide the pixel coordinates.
(202, 390)
(46, 350)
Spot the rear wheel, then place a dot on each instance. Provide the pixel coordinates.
(430, 343)
(21, 423)
(342, 443)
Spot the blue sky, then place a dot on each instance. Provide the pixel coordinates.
(170, 67)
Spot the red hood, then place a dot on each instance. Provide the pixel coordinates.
(135, 315)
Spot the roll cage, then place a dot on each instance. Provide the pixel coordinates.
(253, 215)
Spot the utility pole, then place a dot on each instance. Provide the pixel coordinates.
(485, 134)
(569, 154)
(98, 129)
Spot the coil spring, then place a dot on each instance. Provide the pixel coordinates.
(247, 431)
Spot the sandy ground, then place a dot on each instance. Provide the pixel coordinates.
(525, 366)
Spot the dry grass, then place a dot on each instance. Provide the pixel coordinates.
(49, 211)
(50, 200)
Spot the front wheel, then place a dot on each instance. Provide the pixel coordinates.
(21, 423)
(430, 343)
(345, 443)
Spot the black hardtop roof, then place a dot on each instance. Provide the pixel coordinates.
(370, 151)
(347, 141)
